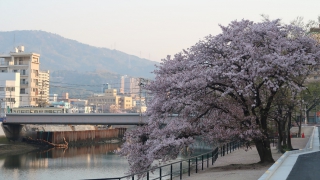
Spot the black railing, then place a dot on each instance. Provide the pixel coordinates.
(176, 168)
(273, 141)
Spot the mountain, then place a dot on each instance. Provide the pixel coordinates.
(81, 84)
(59, 53)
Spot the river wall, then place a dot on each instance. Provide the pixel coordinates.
(81, 137)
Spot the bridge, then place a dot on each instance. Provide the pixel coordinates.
(13, 123)
(76, 119)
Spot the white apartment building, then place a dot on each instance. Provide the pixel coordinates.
(44, 85)
(27, 64)
(9, 92)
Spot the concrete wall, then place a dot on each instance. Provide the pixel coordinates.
(1, 130)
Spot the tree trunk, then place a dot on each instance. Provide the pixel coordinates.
(279, 138)
(300, 121)
(284, 135)
(289, 134)
(264, 150)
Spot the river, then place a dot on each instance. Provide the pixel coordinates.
(89, 162)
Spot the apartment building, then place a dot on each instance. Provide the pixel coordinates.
(27, 64)
(9, 92)
(44, 85)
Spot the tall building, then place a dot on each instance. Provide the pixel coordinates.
(122, 84)
(44, 85)
(9, 92)
(129, 85)
(27, 64)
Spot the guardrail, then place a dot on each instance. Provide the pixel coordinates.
(191, 164)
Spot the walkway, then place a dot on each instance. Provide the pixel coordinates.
(242, 164)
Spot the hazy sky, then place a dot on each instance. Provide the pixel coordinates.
(147, 28)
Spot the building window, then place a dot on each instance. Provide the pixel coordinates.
(10, 89)
(22, 91)
(20, 61)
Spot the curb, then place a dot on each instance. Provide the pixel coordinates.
(278, 163)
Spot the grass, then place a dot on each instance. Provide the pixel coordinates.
(3, 139)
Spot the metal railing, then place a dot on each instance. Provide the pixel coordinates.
(273, 141)
(176, 168)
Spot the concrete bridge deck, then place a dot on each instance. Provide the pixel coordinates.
(76, 119)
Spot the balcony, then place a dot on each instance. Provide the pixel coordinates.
(23, 83)
(19, 64)
(4, 63)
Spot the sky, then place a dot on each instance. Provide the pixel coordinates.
(150, 29)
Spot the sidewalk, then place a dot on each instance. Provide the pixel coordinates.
(241, 164)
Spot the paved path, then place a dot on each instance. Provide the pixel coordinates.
(241, 164)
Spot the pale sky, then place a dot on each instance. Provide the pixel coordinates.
(150, 29)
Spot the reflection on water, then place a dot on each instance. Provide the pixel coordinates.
(96, 161)
(89, 162)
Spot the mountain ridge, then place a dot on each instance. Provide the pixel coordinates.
(60, 53)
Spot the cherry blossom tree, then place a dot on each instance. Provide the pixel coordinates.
(221, 89)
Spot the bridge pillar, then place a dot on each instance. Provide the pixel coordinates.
(12, 131)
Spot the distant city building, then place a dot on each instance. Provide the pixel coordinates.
(110, 100)
(53, 98)
(27, 64)
(60, 104)
(44, 85)
(129, 85)
(9, 92)
(105, 87)
(81, 105)
(64, 97)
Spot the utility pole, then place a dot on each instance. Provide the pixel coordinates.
(1, 115)
(305, 115)
(10, 88)
(140, 84)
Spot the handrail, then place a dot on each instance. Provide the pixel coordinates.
(205, 157)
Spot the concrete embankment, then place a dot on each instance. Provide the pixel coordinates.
(1, 130)
(81, 137)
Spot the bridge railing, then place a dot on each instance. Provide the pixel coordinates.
(178, 168)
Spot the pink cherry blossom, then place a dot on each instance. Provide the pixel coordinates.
(221, 89)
